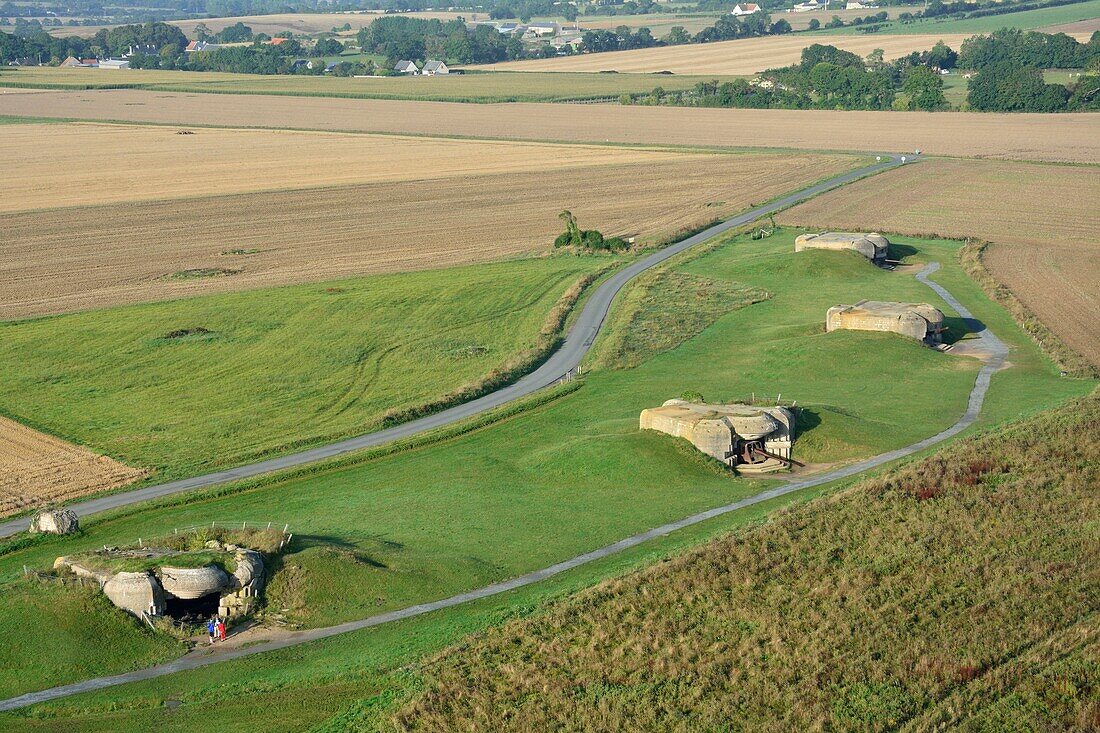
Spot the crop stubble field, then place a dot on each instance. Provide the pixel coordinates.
(1041, 220)
(67, 166)
(1062, 138)
(134, 250)
(745, 56)
(36, 468)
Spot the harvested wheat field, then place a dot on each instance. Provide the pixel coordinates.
(78, 258)
(37, 469)
(1068, 137)
(67, 167)
(1042, 220)
(745, 56)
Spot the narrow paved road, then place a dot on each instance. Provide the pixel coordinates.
(993, 347)
(568, 356)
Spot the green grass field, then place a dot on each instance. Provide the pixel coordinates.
(496, 86)
(568, 476)
(276, 368)
(1026, 20)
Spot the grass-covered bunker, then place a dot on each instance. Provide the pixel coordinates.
(918, 321)
(748, 438)
(872, 246)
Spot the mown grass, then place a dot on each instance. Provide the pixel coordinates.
(265, 371)
(55, 632)
(480, 87)
(545, 484)
(1025, 20)
(928, 599)
(576, 473)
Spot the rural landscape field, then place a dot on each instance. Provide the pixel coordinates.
(390, 370)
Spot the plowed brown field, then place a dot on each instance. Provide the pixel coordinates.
(69, 160)
(1070, 137)
(78, 258)
(37, 469)
(742, 57)
(1042, 220)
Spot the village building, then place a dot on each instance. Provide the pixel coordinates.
(874, 247)
(746, 9)
(919, 321)
(432, 68)
(406, 67)
(747, 438)
(196, 46)
(541, 30)
(114, 64)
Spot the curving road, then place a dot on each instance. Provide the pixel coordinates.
(994, 349)
(568, 356)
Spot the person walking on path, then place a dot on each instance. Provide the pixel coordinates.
(221, 630)
(212, 628)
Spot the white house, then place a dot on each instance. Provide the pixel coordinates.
(406, 67)
(541, 30)
(809, 6)
(745, 9)
(857, 5)
(431, 68)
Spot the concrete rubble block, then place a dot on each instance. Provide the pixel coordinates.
(136, 592)
(191, 583)
(81, 571)
(735, 434)
(55, 521)
(919, 321)
(874, 247)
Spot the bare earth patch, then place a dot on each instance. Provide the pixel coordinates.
(112, 254)
(1069, 138)
(1041, 220)
(37, 469)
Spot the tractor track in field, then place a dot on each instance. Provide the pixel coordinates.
(573, 349)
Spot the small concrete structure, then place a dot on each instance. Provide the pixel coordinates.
(192, 583)
(150, 592)
(918, 321)
(872, 246)
(748, 438)
(138, 593)
(55, 521)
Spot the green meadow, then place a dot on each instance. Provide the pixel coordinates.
(571, 474)
(204, 383)
(1025, 20)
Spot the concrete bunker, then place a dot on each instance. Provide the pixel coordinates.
(874, 247)
(919, 321)
(747, 438)
(188, 585)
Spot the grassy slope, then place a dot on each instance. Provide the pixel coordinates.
(909, 602)
(282, 366)
(1027, 20)
(479, 87)
(549, 483)
(52, 632)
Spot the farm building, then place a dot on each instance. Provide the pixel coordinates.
(745, 9)
(114, 64)
(406, 67)
(750, 439)
(432, 68)
(918, 321)
(872, 246)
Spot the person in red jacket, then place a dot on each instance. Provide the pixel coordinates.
(221, 630)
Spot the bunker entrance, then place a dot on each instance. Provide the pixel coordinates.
(751, 452)
(192, 610)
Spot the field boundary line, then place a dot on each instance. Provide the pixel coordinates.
(998, 354)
